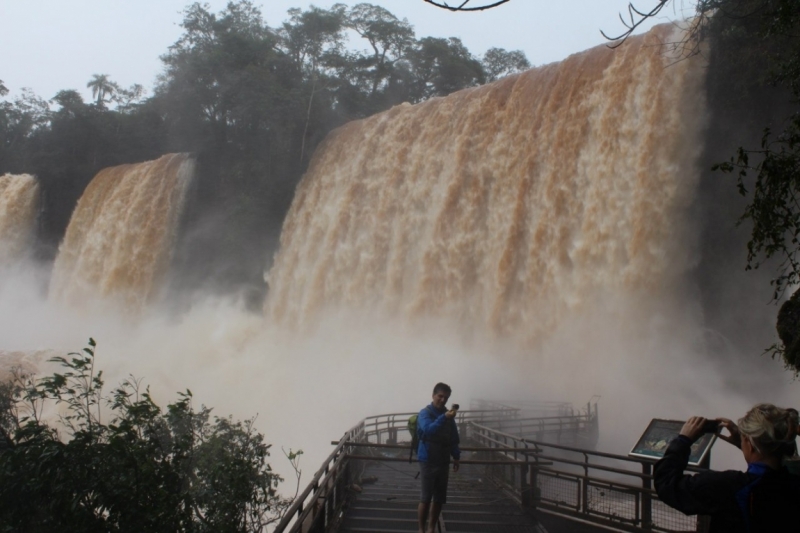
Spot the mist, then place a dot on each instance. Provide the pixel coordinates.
(308, 389)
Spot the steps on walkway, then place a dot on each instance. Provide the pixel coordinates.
(389, 504)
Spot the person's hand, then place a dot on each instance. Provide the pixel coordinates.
(456, 465)
(451, 413)
(734, 436)
(693, 428)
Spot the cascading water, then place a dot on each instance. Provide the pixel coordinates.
(19, 204)
(507, 205)
(119, 240)
(508, 209)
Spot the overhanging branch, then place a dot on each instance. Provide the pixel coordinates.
(463, 5)
(637, 17)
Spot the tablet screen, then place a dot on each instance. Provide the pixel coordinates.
(659, 433)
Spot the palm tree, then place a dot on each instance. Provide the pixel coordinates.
(101, 87)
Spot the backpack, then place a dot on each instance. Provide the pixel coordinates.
(412, 428)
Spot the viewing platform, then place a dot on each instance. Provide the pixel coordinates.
(389, 496)
(524, 468)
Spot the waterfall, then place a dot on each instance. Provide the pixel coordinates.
(119, 240)
(19, 204)
(504, 207)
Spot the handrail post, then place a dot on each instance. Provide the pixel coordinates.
(524, 481)
(506, 468)
(585, 485)
(534, 482)
(647, 500)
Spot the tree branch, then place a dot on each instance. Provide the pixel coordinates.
(463, 5)
(637, 17)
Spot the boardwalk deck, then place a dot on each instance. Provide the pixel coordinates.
(390, 494)
(515, 483)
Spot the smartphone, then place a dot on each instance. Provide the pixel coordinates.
(710, 426)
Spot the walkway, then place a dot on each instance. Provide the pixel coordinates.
(389, 495)
(509, 482)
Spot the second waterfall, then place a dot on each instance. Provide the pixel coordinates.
(120, 239)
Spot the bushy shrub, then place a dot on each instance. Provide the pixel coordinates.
(144, 469)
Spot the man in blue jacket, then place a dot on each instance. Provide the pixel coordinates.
(438, 440)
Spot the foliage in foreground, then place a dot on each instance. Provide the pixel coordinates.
(144, 469)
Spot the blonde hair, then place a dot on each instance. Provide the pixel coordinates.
(772, 430)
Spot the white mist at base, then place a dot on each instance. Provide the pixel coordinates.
(307, 390)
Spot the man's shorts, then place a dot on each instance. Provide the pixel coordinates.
(434, 482)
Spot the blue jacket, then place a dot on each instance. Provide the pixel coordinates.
(438, 436)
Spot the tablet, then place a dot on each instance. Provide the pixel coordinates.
(659, 433)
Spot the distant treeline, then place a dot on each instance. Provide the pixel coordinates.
(251, 102)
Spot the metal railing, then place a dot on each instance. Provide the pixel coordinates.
(527, 408)
(580, 430)
(602, 488)
(390, 428)
(319, 505)
(606, 489)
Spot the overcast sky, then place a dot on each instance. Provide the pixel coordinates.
(49, 45)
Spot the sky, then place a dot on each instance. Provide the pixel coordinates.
(50, 45)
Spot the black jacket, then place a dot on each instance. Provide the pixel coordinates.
(760, 500)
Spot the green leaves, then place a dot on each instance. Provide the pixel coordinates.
(754, 76)
(774, 209)
(102, 87)
(145, 470)
(498, 62)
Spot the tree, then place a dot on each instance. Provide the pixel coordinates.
(497, 63)
(769, 175)
(102, 87)
(442, 66)
(144, 469)
(70, 102)
(232, 94)
(314, 40)
(19, 121)
(756, 44)
(389, 37)
(126, 99)
(308, 36)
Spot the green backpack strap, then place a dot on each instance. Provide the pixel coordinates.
(412, 428)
